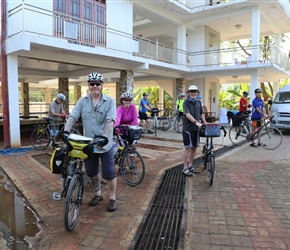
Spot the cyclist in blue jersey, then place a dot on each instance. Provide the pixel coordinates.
(144, 107)
(258, 114)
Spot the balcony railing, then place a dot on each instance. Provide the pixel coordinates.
(26, 18)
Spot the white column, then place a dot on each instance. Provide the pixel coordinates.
(13, 103)
(277, 45)
(254, 83)
(275, 88)
(181, 43)
(255, 34)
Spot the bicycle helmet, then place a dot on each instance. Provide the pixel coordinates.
(145, 94)
(192, 87)
(95, 76)
(61, 97)
(245, 93)
(126, 95)
(182, 95)
(258, 90)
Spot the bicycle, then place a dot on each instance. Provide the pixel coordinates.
(272, 137)
(78, 148)
(40, 137)
(208, 149)
(158, 122)
(131, 163)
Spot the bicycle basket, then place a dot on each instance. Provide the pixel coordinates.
(238, 119)
(210, 130)
(57, 160)
(79, 149)
(133, 133)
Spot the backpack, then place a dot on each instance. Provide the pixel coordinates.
(57, 160)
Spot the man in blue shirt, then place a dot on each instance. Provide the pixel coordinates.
(258, 114)
(144, 107)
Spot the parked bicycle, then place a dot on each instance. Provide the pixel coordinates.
(40, 137)
(158, 122)
(271, 136)
(77, 149)
(208, 149)
(131, 163)
(169, 122)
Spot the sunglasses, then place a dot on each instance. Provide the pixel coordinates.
(127, 100)
(192, 91)
(95, 83)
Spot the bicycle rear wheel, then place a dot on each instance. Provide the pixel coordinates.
(132, 167)
(39, 138)
(271, 138)
(239, 134)
(164, 124)
(210, 168)
(73, 202)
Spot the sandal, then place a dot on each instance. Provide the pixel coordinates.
(253, 145)
(192, 169)
(187, 172)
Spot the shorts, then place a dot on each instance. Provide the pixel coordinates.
(257, 123)
(143, 116)
(180, 114)
(191, 139)
(92, 165)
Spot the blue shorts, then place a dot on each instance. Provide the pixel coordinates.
(191, 139)
(108, 165)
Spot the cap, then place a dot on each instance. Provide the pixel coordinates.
(245, 93)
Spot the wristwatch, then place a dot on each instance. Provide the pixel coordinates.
(194, 121)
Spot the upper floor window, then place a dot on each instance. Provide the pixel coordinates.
(81, 20)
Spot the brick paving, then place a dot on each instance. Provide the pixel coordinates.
(247, 207)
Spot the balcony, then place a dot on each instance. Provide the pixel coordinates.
(25, 19)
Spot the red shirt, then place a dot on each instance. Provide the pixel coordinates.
(243, 101)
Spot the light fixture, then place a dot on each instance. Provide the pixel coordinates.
(238, 26)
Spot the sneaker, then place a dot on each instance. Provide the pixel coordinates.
(262, 144)
(150, 132)
(112, 205)
(142, 132)
(253, 145)
(187, 172)
(95, 200)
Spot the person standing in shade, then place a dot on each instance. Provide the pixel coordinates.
(192, 117)
(98, 112)
(179, 110)
(258, 115)
(244, 105)
(144, 107)
(55, 112)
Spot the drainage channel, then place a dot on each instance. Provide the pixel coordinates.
(161, 227)
(18, 221)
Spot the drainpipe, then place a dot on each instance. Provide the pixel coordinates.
(4, 84)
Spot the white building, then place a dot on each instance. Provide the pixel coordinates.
(172, 43)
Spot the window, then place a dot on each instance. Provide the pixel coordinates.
(81, 21)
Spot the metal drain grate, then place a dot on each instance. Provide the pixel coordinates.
(161, 228)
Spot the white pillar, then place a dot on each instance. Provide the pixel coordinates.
(255, 34)
(181, 43)
(275, 88)
(13, 103)
(277, 45)
(254, 83)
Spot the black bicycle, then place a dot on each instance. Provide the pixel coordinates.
(131, 163)
(78, 148)
(208, 149)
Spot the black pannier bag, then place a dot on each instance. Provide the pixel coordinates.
(57, 160)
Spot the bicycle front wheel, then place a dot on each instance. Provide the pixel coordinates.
(239, 134)
(210, 168)
(271, 138)
(39, 138)
(132, 167)
(73, 202)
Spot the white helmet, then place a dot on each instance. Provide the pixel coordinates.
(192, 87)
(61, 97)
(126, 95)
(95, 76)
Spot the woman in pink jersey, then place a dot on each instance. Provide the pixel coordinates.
(127, 112)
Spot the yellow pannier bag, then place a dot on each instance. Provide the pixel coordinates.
(79, 149)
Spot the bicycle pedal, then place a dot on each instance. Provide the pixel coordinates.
(56, 196)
